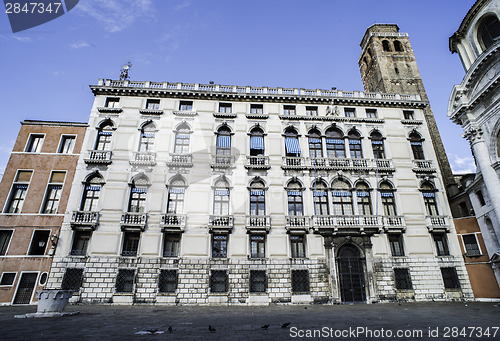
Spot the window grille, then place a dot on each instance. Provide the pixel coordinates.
(403, 279)
(450, 278)
(125, 280)
(258, 281)
(218, 281)
(72, 279)
(167, 281)
(471, 245)
(300, 281)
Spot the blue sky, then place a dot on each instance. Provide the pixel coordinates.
(308, 44)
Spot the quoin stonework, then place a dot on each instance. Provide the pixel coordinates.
(228, 194)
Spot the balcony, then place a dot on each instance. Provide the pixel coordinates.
(423, 166)
(292, 162)
(173, 222)
(152, 112)
(187, 113)
(98, 156)
(350, 164)
(394, 223)
(180, 160)
(223, 161)
(83, 220)
(257, 162)
(225, 115)
(438, 223)
(297, 223)
(258, 223)
(143, 159)
(221, 222)
(107, 110)
(336, 223)
(133, 221)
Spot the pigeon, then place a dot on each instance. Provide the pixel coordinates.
(284, 325)
(265, 326)
(152, 331)
(212, 329)
(170, 329)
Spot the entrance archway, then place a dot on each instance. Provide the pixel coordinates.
(351, 274)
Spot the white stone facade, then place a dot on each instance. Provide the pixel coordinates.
(475, 105)
(281, 250)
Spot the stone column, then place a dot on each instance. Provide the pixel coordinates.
(490, 177)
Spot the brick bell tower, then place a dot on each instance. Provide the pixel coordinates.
(387, 64)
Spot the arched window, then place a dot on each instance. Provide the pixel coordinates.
(257, 198)
(416, 146)
(341, 198)
(294, 192)
(387, 196)
(91, 193)
(377, 145)
(364, 201)
(398, 46)
(315, 145)
(104, 134)
(223, 141)
(320, 197)
(386, 46)
(488, 31)
(355, 145)
(147, 137)
(175, 202)
(182, 140)
(429, 195)
(335, 147)
(292, 146)
(221, 198)
(137, 200)
(256, 142)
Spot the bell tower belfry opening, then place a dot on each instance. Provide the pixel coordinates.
(387, 64)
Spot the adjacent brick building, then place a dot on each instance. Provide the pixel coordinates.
(33, 196)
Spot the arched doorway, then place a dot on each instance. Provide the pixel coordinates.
(351, 274)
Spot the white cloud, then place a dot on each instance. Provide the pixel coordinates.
(22, 39)
(184, 4)
(116, 15)
(79, 45)
(461, 165)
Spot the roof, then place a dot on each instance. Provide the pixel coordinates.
(54, 123)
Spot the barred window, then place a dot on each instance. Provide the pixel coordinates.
(441, 244)
(72, 279)
(125, 280)
(130, 243)
(300, 281)
(218, 281)
(258, 281)
(80, 243)
(298, 246)
(219, 245)
(396, 243)
(450, 278)
(167, 281)
(257, 246)
(403, 279)
(171, 243)
(471, 245)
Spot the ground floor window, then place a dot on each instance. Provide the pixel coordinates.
(72, 279)
(258, 281)
(125, 280)
(167, 281)
(218, 281)
(300, 281)
(450, 278)
(402, 278)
